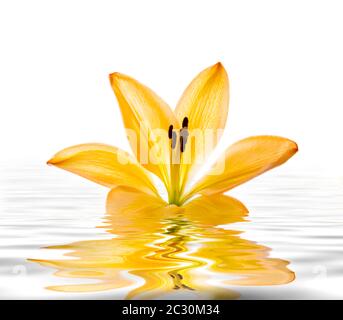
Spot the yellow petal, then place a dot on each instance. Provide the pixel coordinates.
(243, 161)
(215, 210)
(205, 103)
(103, 164)
(129, 210)
(147, 117)
(128, 201)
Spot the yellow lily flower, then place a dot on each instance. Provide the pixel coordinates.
(173, 144)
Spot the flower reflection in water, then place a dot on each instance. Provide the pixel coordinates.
(178, 252)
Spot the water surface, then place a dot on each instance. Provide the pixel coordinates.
(58, 241)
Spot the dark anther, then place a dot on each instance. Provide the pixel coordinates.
(170, 131)
(183, 138)
(173, 143)
(185, 122)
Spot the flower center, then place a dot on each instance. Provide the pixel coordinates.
(175, 160)
(172, 135)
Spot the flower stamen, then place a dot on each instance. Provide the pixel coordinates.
(170, 131)
(184, 134)
(172, 136)
(185, 122)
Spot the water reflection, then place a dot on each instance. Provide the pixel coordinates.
(165, 251)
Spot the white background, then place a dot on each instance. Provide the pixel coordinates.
(284, 59)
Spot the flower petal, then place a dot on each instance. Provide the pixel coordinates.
(125, 206)
(104, 164)
(205, 103)
(129, 201)
(243, 161)
(215, 210)
(148, 117)
(130, 210)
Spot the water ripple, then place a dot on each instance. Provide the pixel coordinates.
(57, 242)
